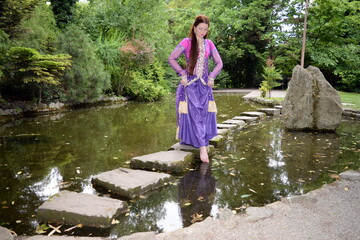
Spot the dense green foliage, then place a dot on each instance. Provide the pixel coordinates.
(270, 75)
(121, 47)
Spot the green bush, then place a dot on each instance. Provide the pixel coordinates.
(143, 89)
(87, 79)
(270, 75)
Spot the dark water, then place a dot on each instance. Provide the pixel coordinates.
(40, 156)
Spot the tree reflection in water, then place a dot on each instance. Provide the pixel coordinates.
(196, 194)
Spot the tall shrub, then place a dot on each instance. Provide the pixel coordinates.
(87, 79)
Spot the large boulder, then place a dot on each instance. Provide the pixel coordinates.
(311, 103)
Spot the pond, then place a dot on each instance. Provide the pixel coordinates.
(260, 164)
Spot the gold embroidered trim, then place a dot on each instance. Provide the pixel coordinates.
(183, 107)
(212, 107)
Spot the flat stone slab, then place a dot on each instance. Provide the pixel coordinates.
(223, 131)
(73, 208)
(270, 111)
(245, 118)
(169, 161)
(235, 121)
(130, 182)
(226, 126)
(217, 140)
(193, 150)
(254, 114)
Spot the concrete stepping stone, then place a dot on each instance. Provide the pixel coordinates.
(223, 131)
(254, 114)
(270, 111)
(247, 119)
(217, 141)
(168, 161)
(193, 150)
(71, 208)
(240, 123)
(226, 126)
(130, 182)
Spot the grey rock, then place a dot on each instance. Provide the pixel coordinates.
(254, 114)
(226, 126)
(270, 111)
(311, 103)
(235, 121)
(139, 235)
(223, 131)
(129, 182)
(5, 234)
(195, 151)
(350, 176)
(73, 208)
(245, 118)
(256, 213)
(217, 141)
(172, 161)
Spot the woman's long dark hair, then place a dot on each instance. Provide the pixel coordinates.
(194, 51)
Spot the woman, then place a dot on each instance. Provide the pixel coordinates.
(196, 118)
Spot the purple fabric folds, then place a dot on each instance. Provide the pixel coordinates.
(197, 126)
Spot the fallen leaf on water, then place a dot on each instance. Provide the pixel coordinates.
(200, 198)
(245, 195)
(251, 190)
(142, 197)
(301, 180)
(196, 218)
(73, 227)
(187, 204)
(334, 176)
(114, 221)
(18, 221)
(232, 174)
(3, 202)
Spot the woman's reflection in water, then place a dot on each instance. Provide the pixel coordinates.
(196, 194)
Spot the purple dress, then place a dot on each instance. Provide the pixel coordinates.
(195, 105)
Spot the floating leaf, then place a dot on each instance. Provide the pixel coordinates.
(201, 198)
(114, 221)
(232, 174)
(187, 204)
(334, 176)
(245, 195)
(251, 190)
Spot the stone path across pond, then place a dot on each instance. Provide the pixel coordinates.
(144, 177)
(130, 183)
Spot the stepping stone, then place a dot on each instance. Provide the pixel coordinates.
(217, 141)
(168, 161)
(270, 111)
(226, 126)
(237, 122)
(279, 107)
(193, 150)
(254, 114)
(130, 182)
(223, 131)
(71, 208)
(245, 118)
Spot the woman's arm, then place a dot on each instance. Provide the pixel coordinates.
(217, 59)
(174, 56)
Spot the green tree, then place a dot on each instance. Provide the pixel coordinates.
(39, 30)
(63, 11)
(87, 79)
(12, 12)
(28, 66)
(270, 75)
(334, 41)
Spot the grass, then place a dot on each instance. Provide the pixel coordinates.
(352, 98)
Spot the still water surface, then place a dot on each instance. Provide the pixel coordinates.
(40, 156)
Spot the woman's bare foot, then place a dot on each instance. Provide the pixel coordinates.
(204, 157)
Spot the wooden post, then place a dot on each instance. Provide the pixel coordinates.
(304, 34)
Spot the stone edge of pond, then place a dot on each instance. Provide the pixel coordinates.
(227, 221)
(21, 107)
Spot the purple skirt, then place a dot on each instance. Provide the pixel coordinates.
(198, 125)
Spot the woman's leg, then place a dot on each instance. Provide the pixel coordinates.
(204, 157)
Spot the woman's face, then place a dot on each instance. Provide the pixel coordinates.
(201, 30)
